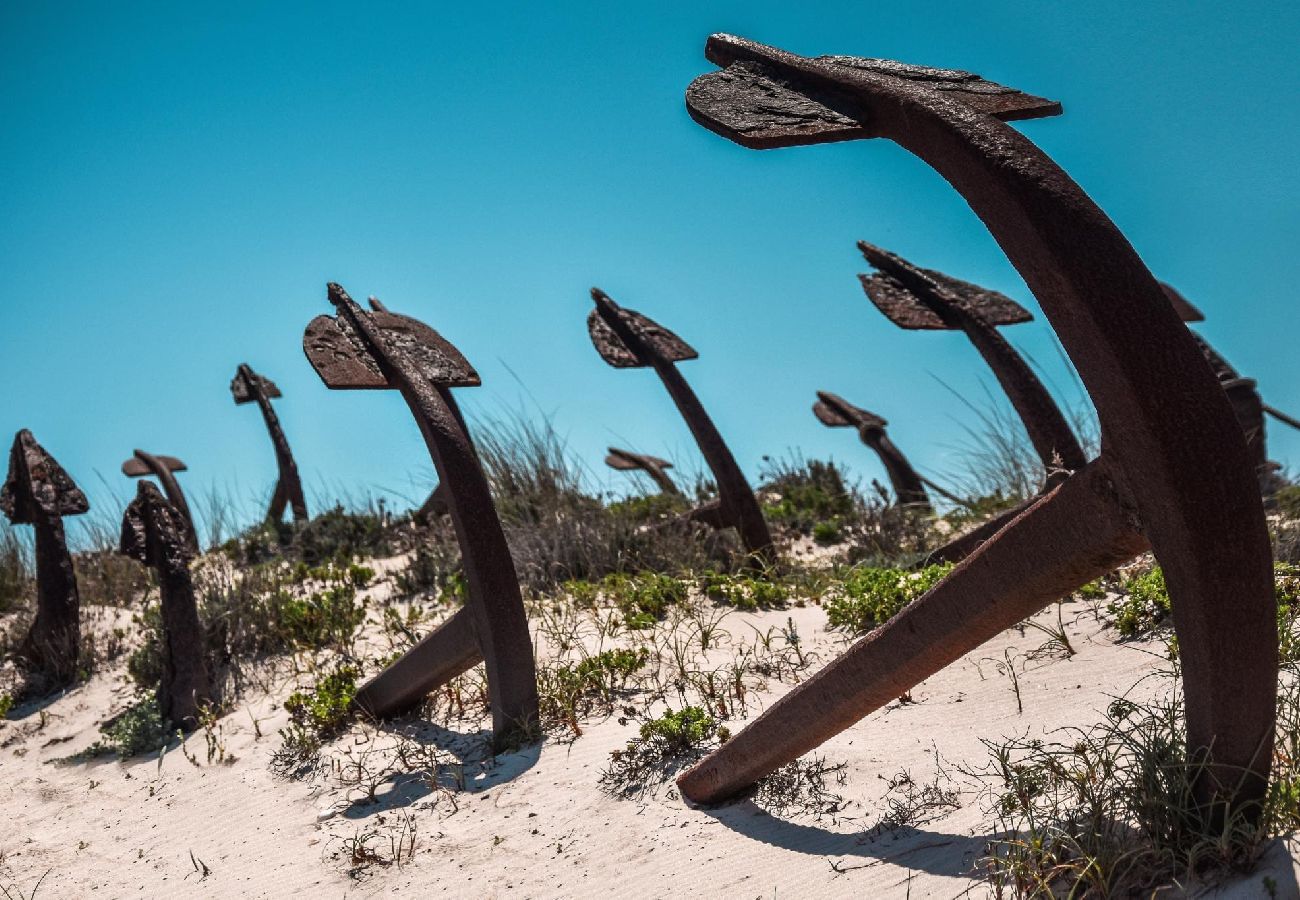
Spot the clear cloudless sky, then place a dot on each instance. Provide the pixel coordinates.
(178, 182)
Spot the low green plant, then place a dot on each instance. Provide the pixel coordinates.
(140, 729)
(1288, 501)
(644, 598)
(1143, 606)
(745, 592)
(662, 747)
(867, 597)
(649, 507)
(803, 496)
(7, 702)
(828, 532)
(315, 716)
(571, 691)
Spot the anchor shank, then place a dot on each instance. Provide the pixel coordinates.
(1070, 536)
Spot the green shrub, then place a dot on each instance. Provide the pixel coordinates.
(6, 704)
(649, 507)
(315, 716)
(745, 592)
(334, 535)
(1143, 606)
(325, 618)
(1288, 501)
(868, 597)
(828, 532)
(570, 691)
(643, 599)
(141, 729)
(806, 495)
(662, 746)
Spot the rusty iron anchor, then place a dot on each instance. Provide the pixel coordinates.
(38, 492)
(1243, 394)
(923, 299)
(1194, 503)
(155, 533)
(626, 340)
(834, 411)
(627, 461)
(162, 467)
(250, 387)
(356, 349)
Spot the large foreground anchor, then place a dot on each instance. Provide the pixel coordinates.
(916, 298)
(357, 349)
(834, 411)
(1195, 503)
(627, 461)
(162, 467)
(38, 492)
(249, 387)
(154, 533)
(626, 340)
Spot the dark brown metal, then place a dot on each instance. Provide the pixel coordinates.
(154, 533)
(1195, 503)
(627, 461)
(916, 298)
(379, 349)
(626, 339)
(249, 387)
(834, 411)
(38, 492)
(1244, 396)
(162, 467)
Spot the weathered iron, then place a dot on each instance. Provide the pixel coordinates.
(834, 411)
(38, 492)
(627, 461)
(626, 339)
(249, 387)
(1244, 396)
(1194, 503)
(916, 298)
(162, 467)
(356, 349)
(154, 533)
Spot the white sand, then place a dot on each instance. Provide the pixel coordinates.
(537, 824)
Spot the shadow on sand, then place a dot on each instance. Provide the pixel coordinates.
(472, 770)
(933, 852)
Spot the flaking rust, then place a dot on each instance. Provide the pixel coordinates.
(627, 339)
(250, 387)
(378, 349)
(154, 533)
(164, 468)
(656, 468)
(1195, 503)
(39, 493)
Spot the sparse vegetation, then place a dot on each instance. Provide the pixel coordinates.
(316, 715)
(663, 746)
(868, 597)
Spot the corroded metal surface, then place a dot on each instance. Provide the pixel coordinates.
(627, 461)
(913, 297)
(379, 349)
(1194, 503)
(834, 411)
(154, 533)
(756, 105)
(162, 467)
(250, 387)
(627, 339)
(38, 492)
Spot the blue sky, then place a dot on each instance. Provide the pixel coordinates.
(181, 180)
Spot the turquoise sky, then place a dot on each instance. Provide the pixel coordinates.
(181, 180)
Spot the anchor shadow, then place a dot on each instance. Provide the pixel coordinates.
(932, 852)
(473, 769)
